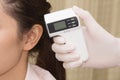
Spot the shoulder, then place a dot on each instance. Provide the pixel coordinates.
(42, 73)
(39, 73)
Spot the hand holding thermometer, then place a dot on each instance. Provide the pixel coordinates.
(66, 23)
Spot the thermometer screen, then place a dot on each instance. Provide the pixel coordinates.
(60, 25)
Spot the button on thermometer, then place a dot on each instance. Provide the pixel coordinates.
(66, 23)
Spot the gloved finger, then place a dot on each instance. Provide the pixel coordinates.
(87, 18)
(68, 57)
(63, 49)
(59, 40)
(73, 64)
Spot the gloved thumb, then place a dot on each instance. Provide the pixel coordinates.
(87, 18)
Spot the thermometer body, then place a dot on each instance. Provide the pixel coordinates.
(66, 23)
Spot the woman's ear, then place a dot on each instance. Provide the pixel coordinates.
(32, 37)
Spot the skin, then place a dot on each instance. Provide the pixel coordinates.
(13, 51)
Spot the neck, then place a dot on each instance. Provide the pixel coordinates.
(18, 72)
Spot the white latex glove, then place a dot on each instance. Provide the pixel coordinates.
(103, 48)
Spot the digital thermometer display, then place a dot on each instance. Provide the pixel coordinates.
(63, 24)
(60, 25)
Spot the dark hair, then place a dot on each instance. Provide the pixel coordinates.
(30, 12)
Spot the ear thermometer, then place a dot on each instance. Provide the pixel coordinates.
(66, 23)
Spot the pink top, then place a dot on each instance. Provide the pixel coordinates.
(36, 73)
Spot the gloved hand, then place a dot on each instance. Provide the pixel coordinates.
(103, 48)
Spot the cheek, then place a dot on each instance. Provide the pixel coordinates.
(10, 50)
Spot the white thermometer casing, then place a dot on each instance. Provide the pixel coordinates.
(66, 23)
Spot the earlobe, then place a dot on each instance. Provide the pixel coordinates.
(33, 36)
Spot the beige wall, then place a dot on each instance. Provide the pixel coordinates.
(107, 13)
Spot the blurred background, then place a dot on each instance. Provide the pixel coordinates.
(107, 14)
